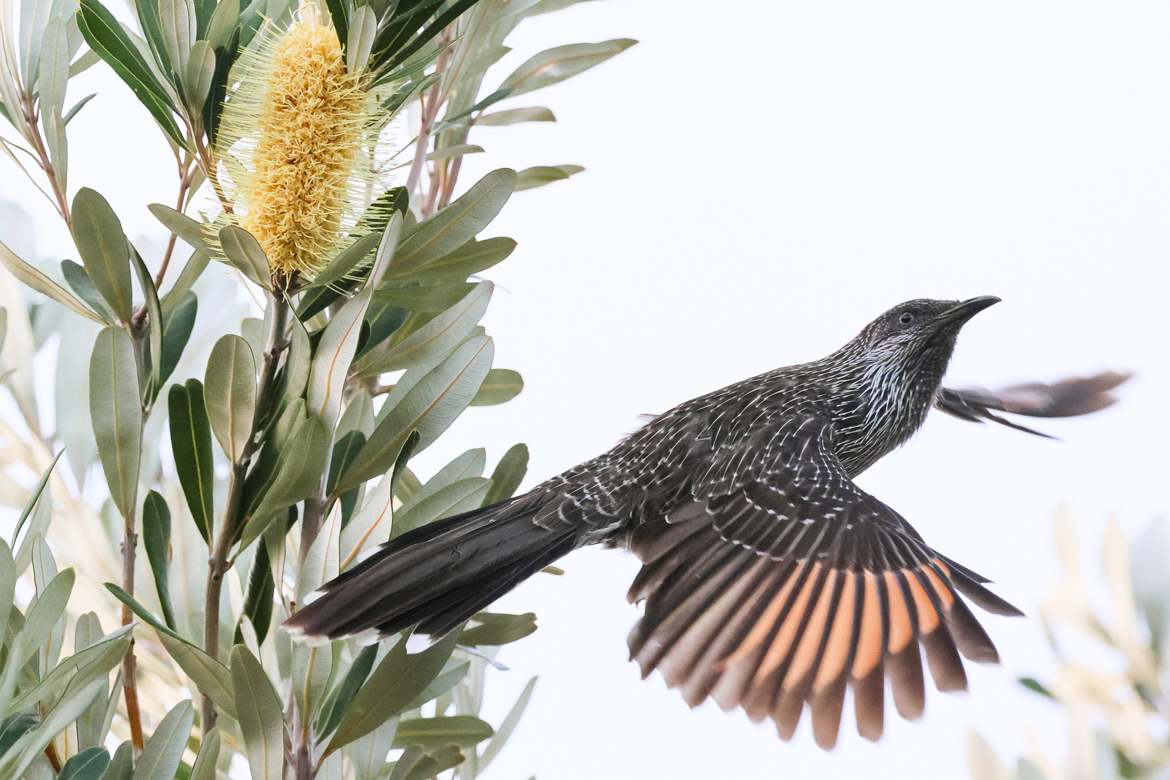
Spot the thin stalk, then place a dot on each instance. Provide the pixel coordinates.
(275, 342)
(43, 159)
(129, 663)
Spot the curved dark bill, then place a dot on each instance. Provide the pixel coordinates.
(969, 308)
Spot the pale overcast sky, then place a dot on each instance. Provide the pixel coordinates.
(763, 178)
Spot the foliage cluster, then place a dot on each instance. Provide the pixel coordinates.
(251, 458)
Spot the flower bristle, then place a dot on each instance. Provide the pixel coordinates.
(297, 144)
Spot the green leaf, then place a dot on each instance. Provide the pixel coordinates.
(392, 686)
(80, 104)
(182, 226)
(87, 765)
(7, 590)
(199, 76)
(515, 116)
(258, 601)
(105, 35)
(500, 386)
(429, 406)
(209, 675)
(89, 664)
(31, 277)
(459, 150)
(456, 266)
(155, 333)
(14, 727)
(1036, 686)
(452, 227)
(363, 25)
(494, 630)
(453, 672)
(243, 251)
(299, 363)
(452, 499)
(29, 505)
(431, 733)
(343, 265)
(508, 475)
(177, 23)
(420, 767)
(372, 525)
(557, 64)
(79, 281)
(191, 445)
(104, 251)
(540, 175)
(300, 462)
(145, 614)
(164, 750)
(177, 324)
(53, 74)
(507, 726)
(204, 767)
(115, 407)
(122, 764)
(58, 719)
(223, 23)
(339, 701)
(431, 299)
(156, 536)
(434, 339)
(260, 716)
(231, 394)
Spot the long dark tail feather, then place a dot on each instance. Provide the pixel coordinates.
(435, 576)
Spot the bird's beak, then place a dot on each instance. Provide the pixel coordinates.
(968, 309)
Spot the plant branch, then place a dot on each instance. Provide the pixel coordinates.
(44, 160)
(219, 564)
(129, 663)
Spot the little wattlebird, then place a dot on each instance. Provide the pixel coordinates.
(770, 579)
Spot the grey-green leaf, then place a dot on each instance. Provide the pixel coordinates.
(391, 687)
(508, 475)
(191, 446)
(243, 251)
(260, 716)
(557, 64)
(181, 225)
(507, 726)
(204, 766)
(89, 764)
(452, 227)
(500, 386)
(540, 175)
(515, 116)
(164, 751)
(209, 675)
(431, 733)
(104, 250)
(34, 278)
(156, 537)
(115, 406)
(230, 394)
(429, 407)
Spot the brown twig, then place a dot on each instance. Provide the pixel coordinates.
(43, 159)
(129, 663)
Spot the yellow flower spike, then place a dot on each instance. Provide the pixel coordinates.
(296, 145)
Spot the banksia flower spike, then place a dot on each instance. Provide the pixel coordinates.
(297, 145)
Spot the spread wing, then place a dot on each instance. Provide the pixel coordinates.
(1067, 398)
(780, 582)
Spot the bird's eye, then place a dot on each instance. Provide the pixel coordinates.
(906, 318)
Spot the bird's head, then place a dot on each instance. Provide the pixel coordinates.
(901, 356)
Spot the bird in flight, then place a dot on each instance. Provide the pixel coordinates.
(770, 580)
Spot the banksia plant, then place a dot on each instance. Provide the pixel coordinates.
(219, 468)
(297, 144)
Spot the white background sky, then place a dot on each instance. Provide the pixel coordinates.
(763, 179)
